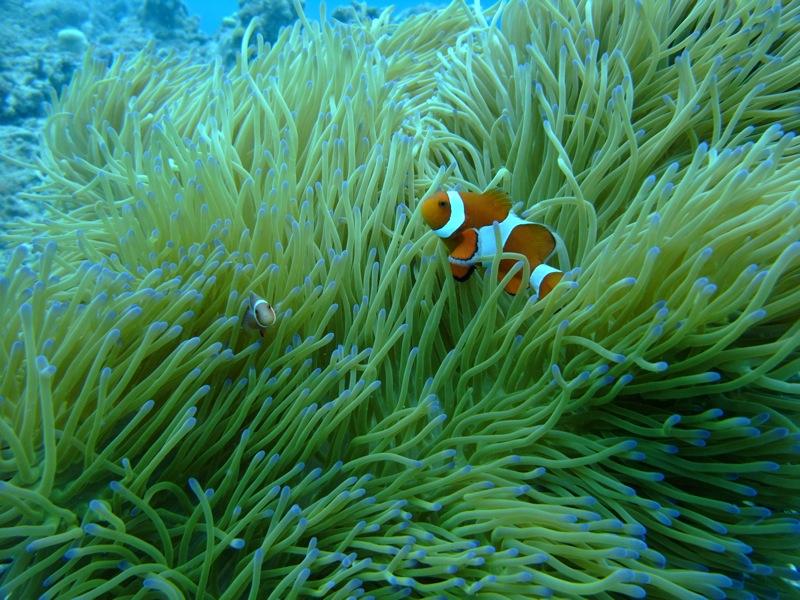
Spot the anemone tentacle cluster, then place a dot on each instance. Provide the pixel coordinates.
(396, 433)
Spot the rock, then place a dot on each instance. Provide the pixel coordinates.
(72, 40)
(57, 14)
(18, 175)
(166, 14)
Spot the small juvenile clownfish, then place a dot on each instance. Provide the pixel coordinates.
(259, 314)
(465, 222)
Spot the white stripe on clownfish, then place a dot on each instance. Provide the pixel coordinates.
(457, 216)
(538, 275)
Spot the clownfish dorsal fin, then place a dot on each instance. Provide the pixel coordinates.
(498, 198)
(484, 208)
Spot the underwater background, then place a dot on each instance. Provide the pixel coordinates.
(383, 430)
(212, 13)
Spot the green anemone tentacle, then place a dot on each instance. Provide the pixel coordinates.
(396, 433)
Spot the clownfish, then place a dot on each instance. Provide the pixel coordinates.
(259, 314)
(465, 222)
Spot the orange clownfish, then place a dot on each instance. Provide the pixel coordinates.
(464, 221)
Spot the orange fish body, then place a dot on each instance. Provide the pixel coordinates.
(465, 222)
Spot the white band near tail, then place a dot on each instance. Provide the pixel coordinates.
(457, 216)
(538, 275)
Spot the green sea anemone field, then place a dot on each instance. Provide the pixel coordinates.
(397, 433)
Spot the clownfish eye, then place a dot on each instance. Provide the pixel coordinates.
(442, 203)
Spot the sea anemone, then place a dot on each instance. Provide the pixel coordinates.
(396, 433)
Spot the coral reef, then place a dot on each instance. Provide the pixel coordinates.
(32, 62)
(73, 40)
(21, 142)
(44, 41)
(355, 12)
(53, 15)
(268, 16)
(419, 9)
(165, 16)
(359, 11)
(396, 433)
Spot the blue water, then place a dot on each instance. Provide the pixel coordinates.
(211, 12)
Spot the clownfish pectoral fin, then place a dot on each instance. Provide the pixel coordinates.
(466, 245)
(461, 272)
(461, 254)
